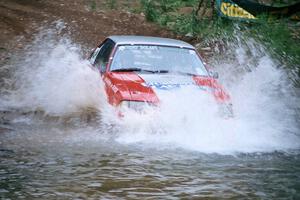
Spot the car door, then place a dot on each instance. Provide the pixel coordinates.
(100, 57)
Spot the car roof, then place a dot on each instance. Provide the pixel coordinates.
(132, 39)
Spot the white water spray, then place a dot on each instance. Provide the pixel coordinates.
(265, 106)
(52, 76)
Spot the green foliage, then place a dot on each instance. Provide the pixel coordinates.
(112, 4)
(168, 5)
(165, 13)
(206, 29)
(278, 38)
(93, 5)
(151, 13)
(159, 10)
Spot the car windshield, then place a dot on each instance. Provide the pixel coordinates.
(154, 58)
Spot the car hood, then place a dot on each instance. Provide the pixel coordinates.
(146, 87)
(161, 82)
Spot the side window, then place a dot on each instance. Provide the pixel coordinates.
(94, 55)
(103, 55)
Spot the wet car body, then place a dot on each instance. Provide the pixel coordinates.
(151, 68)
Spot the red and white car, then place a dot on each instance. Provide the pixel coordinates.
(133, 68)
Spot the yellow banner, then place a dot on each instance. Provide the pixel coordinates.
(233, 10)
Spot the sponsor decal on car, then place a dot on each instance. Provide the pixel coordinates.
(162, 86)
(168, 82)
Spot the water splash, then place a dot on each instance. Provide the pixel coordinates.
(265, 105)
(53, 77)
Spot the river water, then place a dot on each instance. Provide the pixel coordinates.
(60, 140)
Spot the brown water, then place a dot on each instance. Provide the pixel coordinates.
(82, 163)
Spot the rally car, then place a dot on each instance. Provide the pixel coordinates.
(134, 68)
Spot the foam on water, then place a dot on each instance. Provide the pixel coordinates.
(52, 76)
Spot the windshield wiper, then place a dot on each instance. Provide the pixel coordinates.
(184, 73)
(161, 71)
(135, 69)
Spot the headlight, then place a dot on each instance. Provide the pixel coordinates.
(226, 110)
(138, 106)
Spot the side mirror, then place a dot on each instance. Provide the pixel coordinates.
(215, 75)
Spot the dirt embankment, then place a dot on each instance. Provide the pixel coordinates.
(87, 21)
